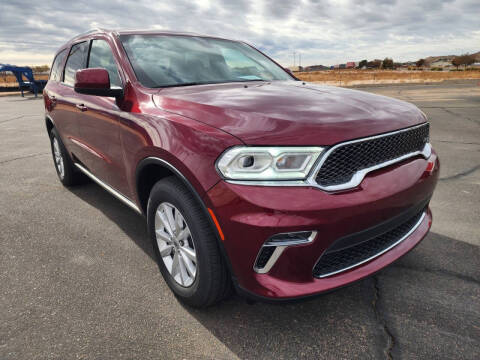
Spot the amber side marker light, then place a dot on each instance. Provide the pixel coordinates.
(429, 169)
(214, 218)
(430, 166)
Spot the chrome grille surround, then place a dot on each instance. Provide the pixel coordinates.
(357, 177)
(416, 135)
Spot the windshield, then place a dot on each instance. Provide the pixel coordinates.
(173, 60)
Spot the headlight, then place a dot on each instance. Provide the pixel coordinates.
(268, 163)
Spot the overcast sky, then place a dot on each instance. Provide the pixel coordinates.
(322, 31)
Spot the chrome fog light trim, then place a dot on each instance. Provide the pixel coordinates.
(280, 242)
(273, 259)
(289, 239)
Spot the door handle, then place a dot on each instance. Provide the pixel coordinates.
(81, 107)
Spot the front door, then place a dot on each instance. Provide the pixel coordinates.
(99, 123)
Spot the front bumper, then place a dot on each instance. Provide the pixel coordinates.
(249, 215)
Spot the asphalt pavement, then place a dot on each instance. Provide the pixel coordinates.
(78, 279)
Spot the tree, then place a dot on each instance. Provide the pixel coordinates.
(457, 61)
(362, 64)
(387, 63)
(468, 59)
(375, 64)
(420, 62)
(465, 59)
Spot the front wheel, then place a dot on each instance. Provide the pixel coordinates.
(184, 243)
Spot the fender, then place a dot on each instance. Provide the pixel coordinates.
(186, 182)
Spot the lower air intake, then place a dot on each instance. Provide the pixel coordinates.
(336, 261)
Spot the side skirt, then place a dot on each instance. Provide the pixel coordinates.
(111, 190)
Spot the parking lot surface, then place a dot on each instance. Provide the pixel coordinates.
(78, 279)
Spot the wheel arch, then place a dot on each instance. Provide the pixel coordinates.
(49, 124)
(160, 169)
(149, 171)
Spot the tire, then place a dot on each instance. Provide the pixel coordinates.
(209, 282)
(66, 172)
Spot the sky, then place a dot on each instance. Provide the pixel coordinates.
(321, 31)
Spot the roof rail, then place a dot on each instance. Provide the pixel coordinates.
(94, 30)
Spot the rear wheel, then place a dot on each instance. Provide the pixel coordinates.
(62, 161)
(184, 243)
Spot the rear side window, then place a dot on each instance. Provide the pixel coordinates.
(77, 59)
(56, 71)
(101, 56)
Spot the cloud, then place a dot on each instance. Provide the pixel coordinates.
(322, 31)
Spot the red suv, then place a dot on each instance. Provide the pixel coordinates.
(248, 178)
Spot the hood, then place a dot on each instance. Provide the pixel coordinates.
(289, 112)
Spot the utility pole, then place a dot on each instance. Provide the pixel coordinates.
(299, 60)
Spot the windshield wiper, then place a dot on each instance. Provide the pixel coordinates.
(205, 83)
(180, 84)
(247, 80)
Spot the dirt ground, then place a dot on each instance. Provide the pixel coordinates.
(367, 77)
(9, 80)
(340, 77)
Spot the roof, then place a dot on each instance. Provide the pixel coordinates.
(111, 32)
(139, 32)
(155, 32)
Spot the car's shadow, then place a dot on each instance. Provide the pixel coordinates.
(129, 221)
(424, 304)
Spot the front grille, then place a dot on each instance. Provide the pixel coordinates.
(332, 262)
(347, 159)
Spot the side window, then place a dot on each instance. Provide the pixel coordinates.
(56, 71)
(101, 57)
(76, 61)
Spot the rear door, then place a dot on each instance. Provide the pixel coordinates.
(102, 150)
(53, 91)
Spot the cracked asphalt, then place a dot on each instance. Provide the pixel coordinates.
(78, 279)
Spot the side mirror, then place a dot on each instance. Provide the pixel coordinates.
(95, 81)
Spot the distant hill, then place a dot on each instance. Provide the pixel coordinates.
(447, 58)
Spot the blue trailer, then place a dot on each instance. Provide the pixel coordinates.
(35, 86)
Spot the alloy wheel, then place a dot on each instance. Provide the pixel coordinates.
(57, 154)
(175, 244)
